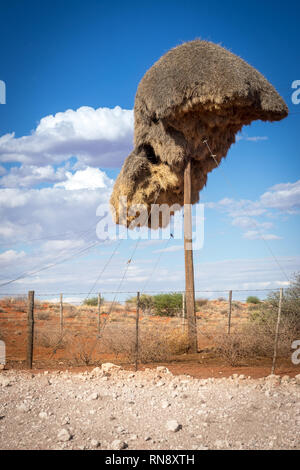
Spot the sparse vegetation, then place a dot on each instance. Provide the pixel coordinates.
(52, 339)
(201, 303)
(146, 303)
(43, 316)
(168, 305)
(252, 299)
(161, 329)
(155, 345)
(93, 301)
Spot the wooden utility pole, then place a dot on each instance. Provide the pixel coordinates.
(61, 311)
(137, 319)
(183, 312)
(99, 313)
(189, 265)
(30, 331)
(277, 331)
(229, 310)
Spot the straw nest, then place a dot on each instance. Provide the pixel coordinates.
(196, 91)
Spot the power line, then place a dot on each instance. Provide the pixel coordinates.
(49, 238)
(104, 268)
(157, 263)
(44, 268)
(252, 220)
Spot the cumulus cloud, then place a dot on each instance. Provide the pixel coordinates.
(97, 137)
(57, 211)
(170, 249)
(283, 198)
(27, 176)
(256, 138)
(257, 235)
(248, 223)
(90, 178)
(10, 256)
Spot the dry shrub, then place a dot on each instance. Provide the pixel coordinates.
(230, 348)
(43, 316)
(72, 312)
(201, 302)
(119, 339)
(82, 349)
(155, 345)
(52, 339)
(254, 340)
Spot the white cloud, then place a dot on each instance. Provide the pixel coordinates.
(257, 235)
(283, 197)
(256, 138)
(12, 198)
(90, 178)
(10, 256)
(54, 212)
(248, 223)
(97, 137)
(29, 175)
(169, 249)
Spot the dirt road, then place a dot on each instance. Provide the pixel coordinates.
(115, 409)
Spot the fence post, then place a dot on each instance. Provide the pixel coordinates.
(30, 327)
(61, 311)
(137, 318)
(229, 310)
(99, 312)
(183, 312)
(277, 331)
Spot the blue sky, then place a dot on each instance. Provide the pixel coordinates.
(66, 55)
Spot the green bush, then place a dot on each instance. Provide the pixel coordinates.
(267, 311)
(168, 305)
(93, 301)
(253, 300)
(146, 303)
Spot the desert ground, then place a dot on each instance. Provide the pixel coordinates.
(111, 408)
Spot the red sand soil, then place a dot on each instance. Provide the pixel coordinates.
(13, 330)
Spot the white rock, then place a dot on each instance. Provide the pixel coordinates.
(117, 444)
(43, 415)
(64, 435)
(297, 378)
(165, 404)
(163, 370)
(121, 430)
(25, 407)
(160, 384)
(109, 367)
(65, 420)
(173, 425)
(4, 381)
(95, 443)
(93, 396)
(96, 371)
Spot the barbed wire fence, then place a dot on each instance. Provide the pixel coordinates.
(136, 330)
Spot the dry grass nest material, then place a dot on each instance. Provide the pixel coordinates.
(196, 91)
